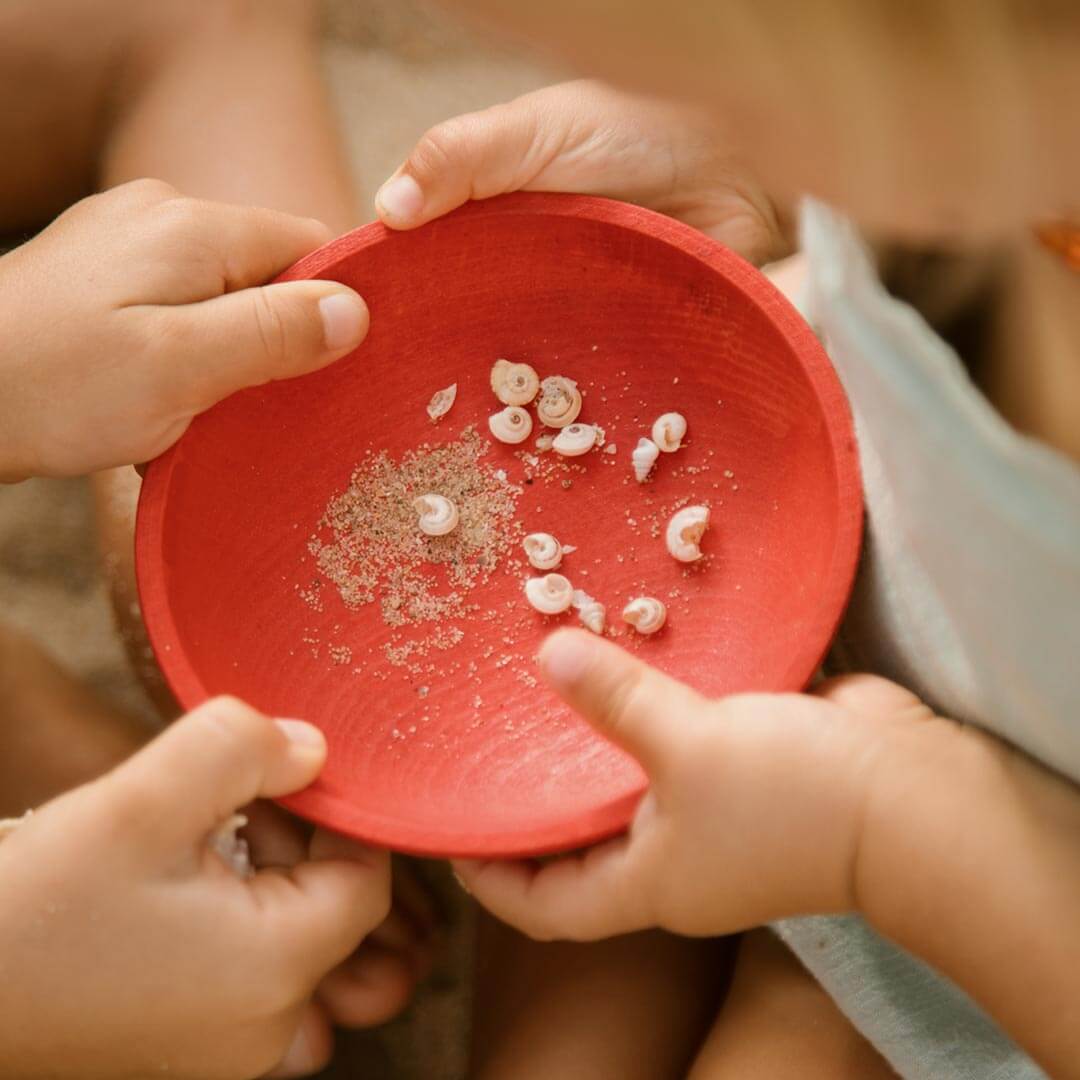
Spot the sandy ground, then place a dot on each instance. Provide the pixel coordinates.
(395, 69)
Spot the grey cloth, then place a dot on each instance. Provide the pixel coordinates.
(968, 594)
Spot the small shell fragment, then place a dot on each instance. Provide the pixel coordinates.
(544, 442)
(684, 532)
(591, 612)
(645, 614)
(610, 448)
(543, 551)
(575, 440)
(644, 458)
(442, 401)
(550, 594)
(560, 401)
(438, 515)
(669, 431)
(512, 425)
(514, 384)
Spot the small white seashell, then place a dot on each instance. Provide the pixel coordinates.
(543, 550)
(575, 440)
(684, 532)
(591, 612)
(560, 401)
(644, 458)
(568, 549)
(549, 594)
(438, 515)
(646, 614)
(442, 401)
(544, 442)
(514, 384)
(512, 425)
(669, 431)
(610, 448)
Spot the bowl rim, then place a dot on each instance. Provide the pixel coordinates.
(605, 820)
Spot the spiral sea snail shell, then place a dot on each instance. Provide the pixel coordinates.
(645, 614)
(669, 431)
(543, 550)
(549, 594)
(591, 612)
(560, 401)
(575, 440)
(514, 384)
(684, 532)
(512, 425)
(644, 458)
(438, 515)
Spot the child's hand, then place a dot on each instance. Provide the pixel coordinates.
(137, 309)
(753, 813)
(587, 138)
(129, 948)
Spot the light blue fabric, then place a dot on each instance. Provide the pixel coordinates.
(968, 594)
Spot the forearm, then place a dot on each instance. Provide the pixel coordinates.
(266, 132)
(970, 859)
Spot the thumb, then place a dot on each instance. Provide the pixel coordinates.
(474, 156)
(215, 759)
(250, 337)
(626, 700)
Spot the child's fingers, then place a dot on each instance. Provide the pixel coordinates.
(249, 337)
(595, 894)
(221, 756)
(326, 906)
(629, 702)
(252, 244)
(470, 157)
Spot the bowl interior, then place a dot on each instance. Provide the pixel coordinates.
(459, 750)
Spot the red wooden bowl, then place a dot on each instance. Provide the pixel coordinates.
(469, 756)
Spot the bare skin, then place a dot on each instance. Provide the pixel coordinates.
(771, 992)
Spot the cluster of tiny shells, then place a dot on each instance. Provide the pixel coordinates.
(438, 514)
(558, 404)
(512, 425)
(684, 532)
(645, 614)
(668, 432)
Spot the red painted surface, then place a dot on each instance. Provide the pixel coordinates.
(225, 515)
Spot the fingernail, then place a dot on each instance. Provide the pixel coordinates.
(564, 658)
(400, 198)
(301, 732)
(344, 317)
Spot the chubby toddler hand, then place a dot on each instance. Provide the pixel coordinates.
(588, 138)
(137, 309)
(133, 941)
(754, 809)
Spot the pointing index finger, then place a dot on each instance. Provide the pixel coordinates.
(635, 706)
